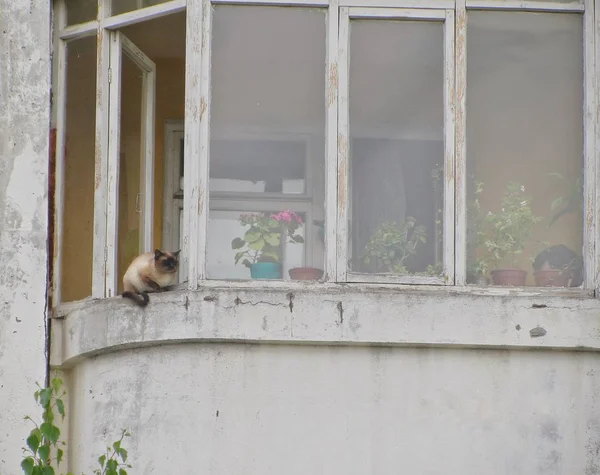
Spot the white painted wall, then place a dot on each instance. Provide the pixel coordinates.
(296, 410)
(232, 381)
(24, 124)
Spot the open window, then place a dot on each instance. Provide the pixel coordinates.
(131, 157)
(327, 139)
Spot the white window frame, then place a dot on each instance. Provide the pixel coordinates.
(197, 123)
(230, 200)
(347, 14)
(591, 240)
(197, 152)
(174, 131)
(120, 45)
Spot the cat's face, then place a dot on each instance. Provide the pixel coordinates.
(166, 261)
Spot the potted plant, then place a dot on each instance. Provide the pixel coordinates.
(571, 202)
(510, 229)
(477, 261)
(392, 243)
(292, 222)
(310, 273)
(260, 248)
(559, 266)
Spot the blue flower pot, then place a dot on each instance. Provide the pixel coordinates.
(265, 270)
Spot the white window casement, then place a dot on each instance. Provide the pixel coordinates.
(364, 115)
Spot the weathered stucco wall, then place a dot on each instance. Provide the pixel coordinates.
(336, 379)
(24, 124)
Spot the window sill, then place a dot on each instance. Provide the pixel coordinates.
(312, 313)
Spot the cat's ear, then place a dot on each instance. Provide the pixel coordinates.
(177, 253)
(157, 254)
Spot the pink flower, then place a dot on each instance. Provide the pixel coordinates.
(287, 217)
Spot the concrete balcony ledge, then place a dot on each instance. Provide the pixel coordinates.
(329, 314)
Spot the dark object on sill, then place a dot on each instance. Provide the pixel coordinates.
(305, 273)
(537, 332)
(558, 266)
(552, 278)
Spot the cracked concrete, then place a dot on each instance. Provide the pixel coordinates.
(24, 130)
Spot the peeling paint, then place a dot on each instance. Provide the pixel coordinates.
(203, 106)
(333, 84)
(342, 171)
(24, 165)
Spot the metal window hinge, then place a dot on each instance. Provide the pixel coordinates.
(109, 75)
(105, 253)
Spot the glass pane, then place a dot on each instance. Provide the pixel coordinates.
(80, 11)
(78, 231)
(267, 126)
(124, 6)
(259, 166)
(396, 147)
(163, 41)
(525, 148)
(226, 226)
(130, 168)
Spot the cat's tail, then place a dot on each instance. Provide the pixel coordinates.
(141, 299)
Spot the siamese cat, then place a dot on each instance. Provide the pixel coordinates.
(150, 272)
(561, 257)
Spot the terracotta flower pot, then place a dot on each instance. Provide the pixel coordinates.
(513, 277)
(552, 278)
(305, 273)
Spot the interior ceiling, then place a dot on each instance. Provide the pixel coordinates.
(266, 60)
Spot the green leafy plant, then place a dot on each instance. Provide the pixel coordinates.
(477, 264)
(43, 453)
(392, 243)
(570, 202)
(262, 241)
(511, 227)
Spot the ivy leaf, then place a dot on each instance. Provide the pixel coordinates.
(123, 454)
(297, 238)
(61, 407)
(51, 432)
(59, 456)
(45, 395)
(122, 471)
(44, 452)
(33, 441)
(246, 262)
(102, 460)
(112, 465)
(27, 466)
(237, 243)
(56, 384)
(48, 471)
